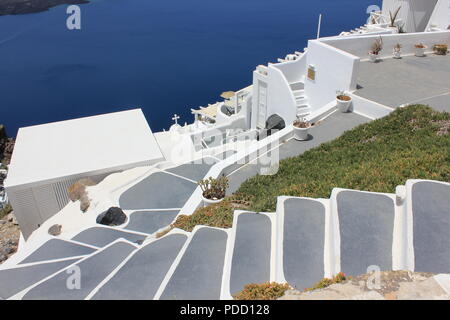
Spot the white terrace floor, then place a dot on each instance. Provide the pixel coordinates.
(394, 82)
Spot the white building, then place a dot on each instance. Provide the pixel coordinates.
(48, 158)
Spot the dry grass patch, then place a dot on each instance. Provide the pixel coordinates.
(265, 291)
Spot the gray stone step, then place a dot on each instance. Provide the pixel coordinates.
(92, 271)
(198, 275)
(14, 280)
(366, 222)
(100, 236)
(303, 242)
(140, 277)
(160, 190)
(57, 249)
(195, 170)
(150, 221)
(431, 224)
(252, 251)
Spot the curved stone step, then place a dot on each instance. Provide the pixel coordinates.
(302, 241)
(101, 236)
(57, 249)
(160, 190)
(92, 270)
(194, 170)
(150, 221)
(198, 275)
(140, 277)
(431, 226)
(366, 226)
(16, 279)
(252, 251)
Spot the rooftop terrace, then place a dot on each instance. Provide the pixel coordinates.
(411, 79)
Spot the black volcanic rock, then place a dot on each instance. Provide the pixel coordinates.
(112, 217)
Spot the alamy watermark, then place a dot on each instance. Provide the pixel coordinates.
(73, 282)
(73, 21)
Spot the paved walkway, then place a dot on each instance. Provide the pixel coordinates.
(329, 129)
(393, 82)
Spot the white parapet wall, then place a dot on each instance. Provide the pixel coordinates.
(271, 95)
(360, 46)
(335, 69)
(368, 108)
(293, 71)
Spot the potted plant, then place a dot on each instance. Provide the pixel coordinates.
(420, 49)
(301, 129)
(397, 51)
(440, 49)
(375, 50)
(393, 18)
(343, 101)
(213, 190)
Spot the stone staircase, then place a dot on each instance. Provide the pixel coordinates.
(303, 242)
(301, 100)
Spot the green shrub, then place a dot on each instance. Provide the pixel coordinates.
(410, 143)
(265, 291)
(219, 215)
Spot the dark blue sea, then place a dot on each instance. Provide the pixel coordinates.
(164, 56)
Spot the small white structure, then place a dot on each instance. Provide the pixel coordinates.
(48, 158)
(414, 14)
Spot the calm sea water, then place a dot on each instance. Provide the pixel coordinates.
(165, 56)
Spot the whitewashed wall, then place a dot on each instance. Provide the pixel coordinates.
(441, 15)
(368, 108)
(360, 46)
(293, 71)
(280, 99)
(335, 70)
(414, 13)
(35, 203)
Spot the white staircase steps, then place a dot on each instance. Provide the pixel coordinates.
(141, 275)
(198, 275)
(92, 270)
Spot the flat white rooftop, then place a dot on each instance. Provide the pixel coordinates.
(85, 145)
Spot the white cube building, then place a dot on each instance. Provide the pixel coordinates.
(48, 158)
